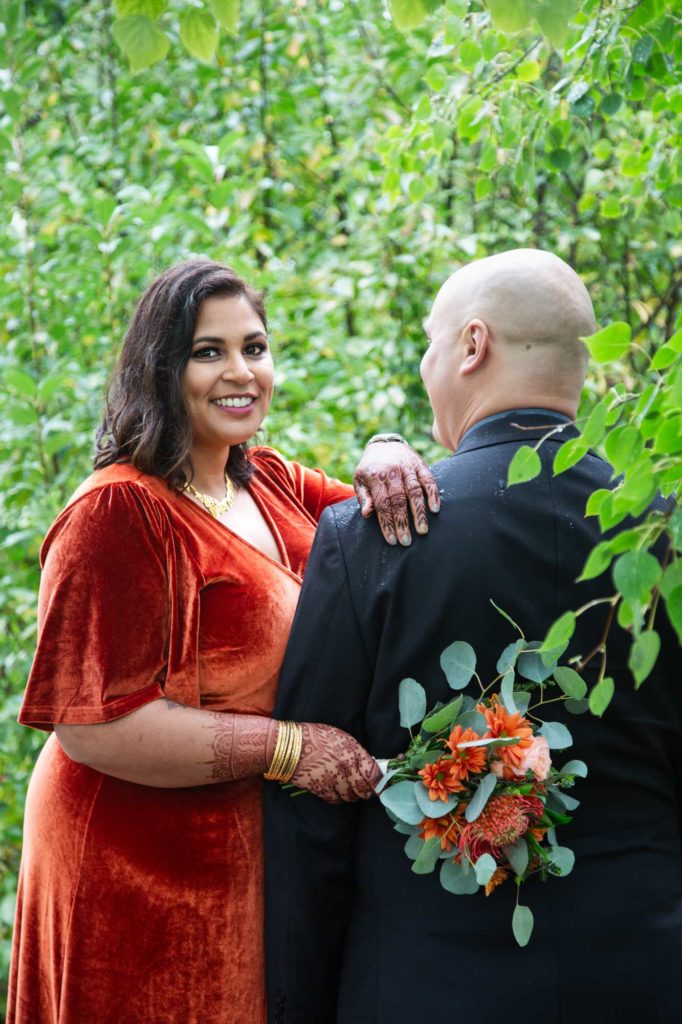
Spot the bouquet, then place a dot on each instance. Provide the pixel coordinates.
(476, 791)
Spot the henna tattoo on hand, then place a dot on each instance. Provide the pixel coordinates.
(393, 478)
(334, 766)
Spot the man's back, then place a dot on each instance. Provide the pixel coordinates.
(608, 938)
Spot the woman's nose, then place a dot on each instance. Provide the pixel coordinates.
(237, 370)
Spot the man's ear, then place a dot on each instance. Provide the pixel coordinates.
(475, 341)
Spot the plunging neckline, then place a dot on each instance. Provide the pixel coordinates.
(285, 564)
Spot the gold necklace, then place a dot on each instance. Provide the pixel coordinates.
(216, 508)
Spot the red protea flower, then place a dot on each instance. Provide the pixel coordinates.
(503, 820)
(445, 829)
(466, 760)
(440, 780)
(501, 723)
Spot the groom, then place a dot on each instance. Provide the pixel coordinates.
(353, 935)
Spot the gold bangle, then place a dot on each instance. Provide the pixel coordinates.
(287, 752)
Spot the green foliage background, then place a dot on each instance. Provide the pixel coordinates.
(345, 167)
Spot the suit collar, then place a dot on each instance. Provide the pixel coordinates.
(517, 425)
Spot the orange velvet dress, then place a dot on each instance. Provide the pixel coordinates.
(140, 905)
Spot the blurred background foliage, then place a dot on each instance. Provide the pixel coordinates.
(345, 156)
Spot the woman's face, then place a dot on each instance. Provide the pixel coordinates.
(228, 380)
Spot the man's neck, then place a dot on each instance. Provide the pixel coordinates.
(486, 409)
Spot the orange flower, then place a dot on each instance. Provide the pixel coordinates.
(444, 829)
(501, 723)
(440, 780)
(500, 876)
(466, 760)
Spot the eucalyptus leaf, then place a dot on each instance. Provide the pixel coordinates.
(507, 692)
(428, 857)
(444, 717)
(575, 767)
(411, 701)
(522, 924)
(484, 868)
(458, 662)
(481, 796)
(530, 664)
(400, 799)
(524, 466)
(518, 856)
(459, 879)
(557, 735)
(433, 808)
(562, 858)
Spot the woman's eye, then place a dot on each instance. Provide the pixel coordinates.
(207, 352)
(256, 349)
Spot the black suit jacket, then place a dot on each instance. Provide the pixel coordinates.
(352, 934)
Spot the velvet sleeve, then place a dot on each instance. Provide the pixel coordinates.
(311, 487)
(103, 611)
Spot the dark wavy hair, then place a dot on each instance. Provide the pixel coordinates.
(145, 418)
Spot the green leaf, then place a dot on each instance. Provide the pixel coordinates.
(594, 428)
(601, 695)
(427, 858)
(199, 34)
(148, 8)
(643, 655)
(610, 343)
(401, 801)
(673, 606)
(563, 859)
(524, 466)
(469, 54)
(672, 578)
(560, 632)
(611, 207)
(577, 768)
(507, 692)
(510, 15)
(484, 868)
(413, 846)
(522, 924)
(458, 662)
(570, 682)
(517, 855)
(528, 71)
(141, 40)
(444, 717)
(557, 735)
(553, 17)
(226, 13)
(665, 356)
(459, 879)
(21, 381)
(642, 50)
(409, 14)
(623, 446)
(611, 104)
(598, 560)
(507, 659)
(635, 574)
(568, 454)
(576, 707)
(411, 701)
(531, 665)
(436, 78)
(480, 797)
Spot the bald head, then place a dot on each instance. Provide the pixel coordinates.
(527, 297)
(505, 333)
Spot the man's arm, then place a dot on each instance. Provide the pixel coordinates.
(309, 845)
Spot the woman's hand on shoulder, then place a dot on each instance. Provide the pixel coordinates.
(389, 477)
(334, 766)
